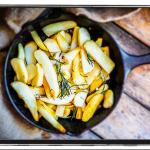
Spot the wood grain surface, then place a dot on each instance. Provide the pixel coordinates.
(138, 25)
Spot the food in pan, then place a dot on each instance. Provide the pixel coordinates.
(64, 76)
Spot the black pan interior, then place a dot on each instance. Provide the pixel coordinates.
(73, 126)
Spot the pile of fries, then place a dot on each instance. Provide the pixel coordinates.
(64, 76)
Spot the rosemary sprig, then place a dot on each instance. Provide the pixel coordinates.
(64, 83)
(90, 59)
(104, 82)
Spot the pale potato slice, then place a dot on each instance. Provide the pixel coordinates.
(38, 40)
(83, 36)
(108, 99)
(20, 69)
(86, 66)
(57, 27)
(49, 71)
(52, 45)
(31, 69)
(98, 55)
(68, 37)
(74, 42)
(21, 53)
(63, 44)
(29, 52)
(79, 99)
(93, 74)
(25, 93)
(37, 91)
(38, 79)
(50, 117)
(58, 101)
(62, 33)
(77, 78)
(60, 111)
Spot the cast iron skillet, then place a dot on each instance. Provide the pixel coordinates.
(123, 63)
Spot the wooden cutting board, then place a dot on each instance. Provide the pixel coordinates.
(129, 120)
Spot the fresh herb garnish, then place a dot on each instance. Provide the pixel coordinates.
(90, 59)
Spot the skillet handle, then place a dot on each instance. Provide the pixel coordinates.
(131, 61)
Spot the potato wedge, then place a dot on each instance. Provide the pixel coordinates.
(96, 84)
(50, 117)
(37, 91)
(106, 50)
(102, 88)
(68, 57)
(52, 45)
(83, 36)
(47, 107)
(93, 74)
(108, 99)
(98, 55)
(74, 42)
(51, 106)
(29, 52)
(21, 53)
(38, 40)
(68, 37)
(31, 69)
(86, 66)
(63, 44)
(79, 113)
(104, 75)
(49, 71)
(25, 93)
(57, 27)
(47, 88)
(92, 107)
(76, 76)
(80, 98)
(58, 101)
(38, 79)
(60, 111)
(20, 69)
(99, 42)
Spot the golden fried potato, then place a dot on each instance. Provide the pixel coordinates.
(92, 107)
(49, 71)
(108, 99)
(21, 53)
(29, 49)
(25, 93)
(20, 69)
(98, 55)
(50, 117)
(74, 42)
(38, 79)
(38, 40)
(57, 27)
